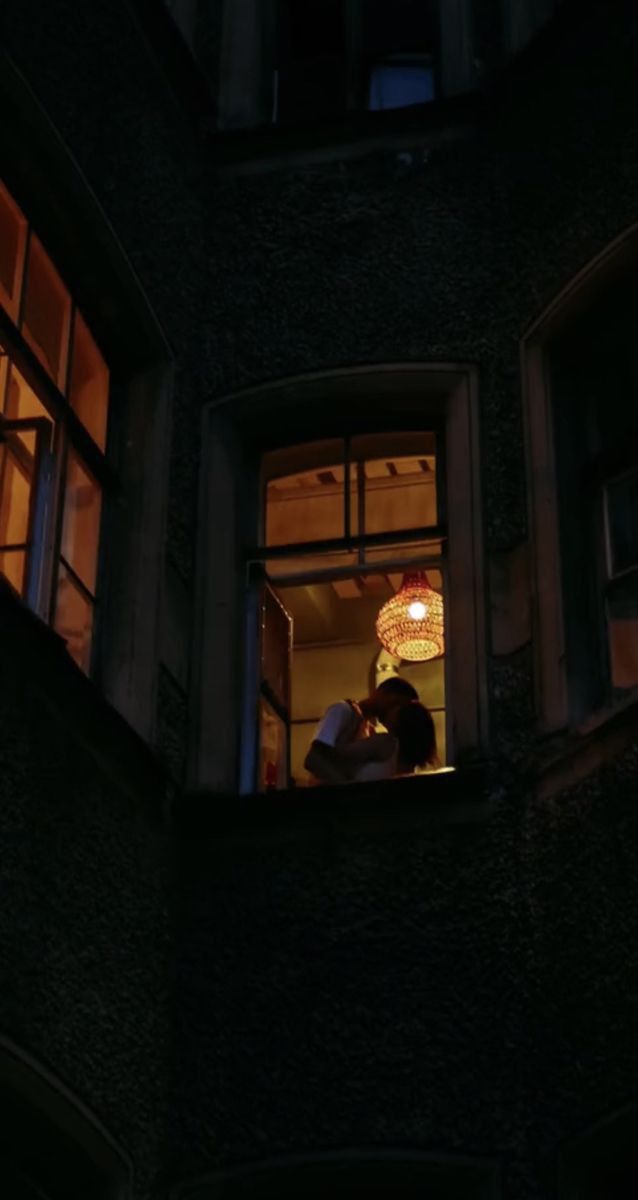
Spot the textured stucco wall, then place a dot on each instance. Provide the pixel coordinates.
(459, 989)
(84, 919)
(399, 987)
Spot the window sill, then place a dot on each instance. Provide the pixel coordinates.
(451, 798)
(35, 660)
(603, 736)
(353, 135)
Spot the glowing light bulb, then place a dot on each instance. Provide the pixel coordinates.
(417, 610)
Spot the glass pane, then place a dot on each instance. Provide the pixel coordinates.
(273, 749)
(74, 619)
(81, 525)
(276, 641)
(622, 514)
(400, 492)
(4, 374)
(13, 235)
(307, 506)
(622, 614)
(406, 552)
(281, 568)
(15, 494)
(22, 403)
(89, 387)
(47, 313)
(398, 85)
(12, 567)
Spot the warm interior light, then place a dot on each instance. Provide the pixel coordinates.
(417, 610)
(410, 625)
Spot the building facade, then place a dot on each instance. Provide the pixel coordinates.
(289, 309)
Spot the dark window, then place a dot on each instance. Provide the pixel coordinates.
(595, 385)
(335, 55)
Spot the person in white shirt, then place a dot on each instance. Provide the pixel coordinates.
(345, 743)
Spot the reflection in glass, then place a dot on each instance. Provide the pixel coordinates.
(47, 313)
(12, 567)
(23, 404)
(622, 615)
(81, 525)
(622, 516)
(13, 236)
(15, 496)
(74, 619)
(89, 386)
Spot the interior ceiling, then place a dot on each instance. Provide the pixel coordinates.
(323, 613)
(375, 470)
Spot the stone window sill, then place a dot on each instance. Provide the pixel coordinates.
(457, 797)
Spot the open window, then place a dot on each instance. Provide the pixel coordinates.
(344, 521)
(333, 488)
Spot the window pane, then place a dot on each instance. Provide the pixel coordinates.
(306, 507)
(15, 495)
(12, 567)
(400, 493)
(273, 749)
(22, 403)
(89, 387)
(400, 84)
(13, 234)
(81, 525)
(47, 313)
(622, 612)
(622, 513)
(278, 568)
(74, 619)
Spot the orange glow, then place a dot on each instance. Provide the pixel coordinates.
(74, 619)
(47, 313)
(13, 237)
(89, 387)
(81, 525)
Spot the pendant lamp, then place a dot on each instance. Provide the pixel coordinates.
(410, 624)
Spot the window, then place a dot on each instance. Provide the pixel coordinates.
(335, 55)
(54, 404)
(317, 536)
(594, 382)
(338, 537)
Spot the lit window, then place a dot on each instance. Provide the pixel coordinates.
(54, 396)
(401, 82)
(340, 535)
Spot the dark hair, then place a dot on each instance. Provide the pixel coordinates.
(396, 686)
(416, 735)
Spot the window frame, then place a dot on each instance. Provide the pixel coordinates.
(247, 78)
(68, 432)
(236, 429)
(555, 714)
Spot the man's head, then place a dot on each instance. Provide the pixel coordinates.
(390, 696)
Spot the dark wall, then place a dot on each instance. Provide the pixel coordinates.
(453, 978)
(84, 878)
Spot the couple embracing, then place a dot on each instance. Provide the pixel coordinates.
(346, 747)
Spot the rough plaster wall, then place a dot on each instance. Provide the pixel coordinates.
(460, 989)
(84, 931)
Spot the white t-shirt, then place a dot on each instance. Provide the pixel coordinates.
(343, 722)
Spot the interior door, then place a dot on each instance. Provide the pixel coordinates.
(265, 759)
(25, 471)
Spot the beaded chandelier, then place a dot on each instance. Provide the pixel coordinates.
(410, 624)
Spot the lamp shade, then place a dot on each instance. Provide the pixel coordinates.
(410, 625)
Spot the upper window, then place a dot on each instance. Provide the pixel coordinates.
(335, 55)
(594, 378)
(54, 402)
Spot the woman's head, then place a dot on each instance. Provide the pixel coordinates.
(414, 730)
